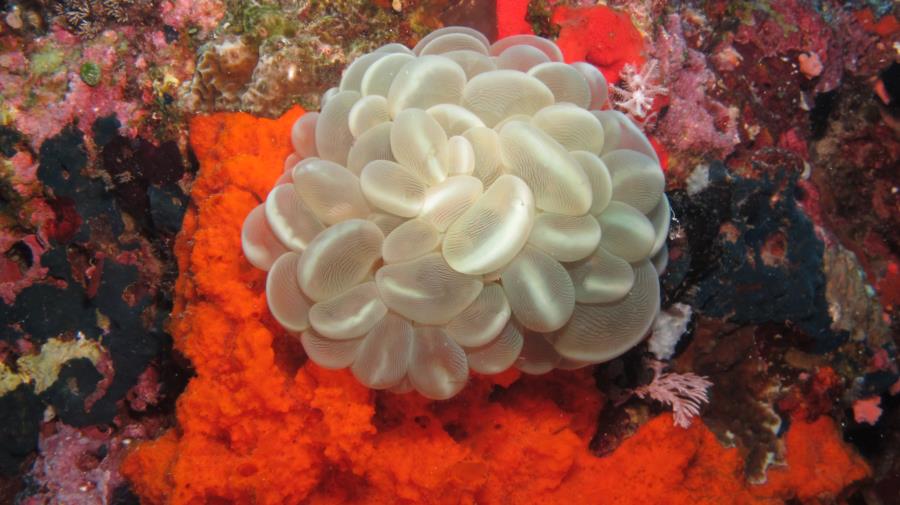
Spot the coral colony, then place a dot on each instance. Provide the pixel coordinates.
(464, 206)
(638, 90)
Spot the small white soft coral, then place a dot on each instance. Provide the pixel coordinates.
(685, 392)
(638, 91)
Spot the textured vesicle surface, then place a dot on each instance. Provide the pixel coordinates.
(545, 46)
(353, 75)
(636, 179)
(493, 230)
(330, 353)
(329, 190)
(303, 135)
(291, 220)
(521, 58)
(426, 81)
(438, 368)
(333, 136)
(494, 96)
(565, 82)
(598, 175)
(260, 245)
(539, 290)
(481, 322)
(453, 42)
(601, 278)
(486, 150)
(600, 332)
(392, 188)
(558, 182)
(538, 356)
(626, 232)
(379, 77)
(339, 258)
(369, 111)
(565, 238)
(374, 144)
(383, 356)
(287, 303)
(499, 354)
(574, 128)
(410, 240)
(350, 314)
(420, 144)
(454, 119)
(426, 290)
(446, 201)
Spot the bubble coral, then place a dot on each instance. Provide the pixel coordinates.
(463, 206)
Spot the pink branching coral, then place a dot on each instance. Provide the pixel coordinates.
(639, 90)
(685, 392)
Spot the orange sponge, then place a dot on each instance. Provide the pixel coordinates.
(255, 428)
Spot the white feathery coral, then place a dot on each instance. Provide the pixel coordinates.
(639, 90)
(684, 392)
(463, 206)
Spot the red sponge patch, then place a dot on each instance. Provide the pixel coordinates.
(511, 18)
(601, 36)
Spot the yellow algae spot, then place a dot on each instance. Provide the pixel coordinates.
(43, 368)
(9, 380)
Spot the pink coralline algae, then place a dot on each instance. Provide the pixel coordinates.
(18, 272)
(146, 392)
(203, 14)
(793, 140)
(81, 465)
(823, 49)
(795, 27)
(44, 91)
(42, 101)
(20, 251)
(810, 64)
(867, 410)
(725, 57)
(695, 122)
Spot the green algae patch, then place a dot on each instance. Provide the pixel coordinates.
(46, 61)
(90, 73)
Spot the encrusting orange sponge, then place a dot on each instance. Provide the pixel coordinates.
(258, 424)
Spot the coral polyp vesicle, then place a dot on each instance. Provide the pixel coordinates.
(463, 207)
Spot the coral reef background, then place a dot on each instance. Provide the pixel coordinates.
(137, 359)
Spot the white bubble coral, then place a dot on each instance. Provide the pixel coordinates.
(463, 206)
